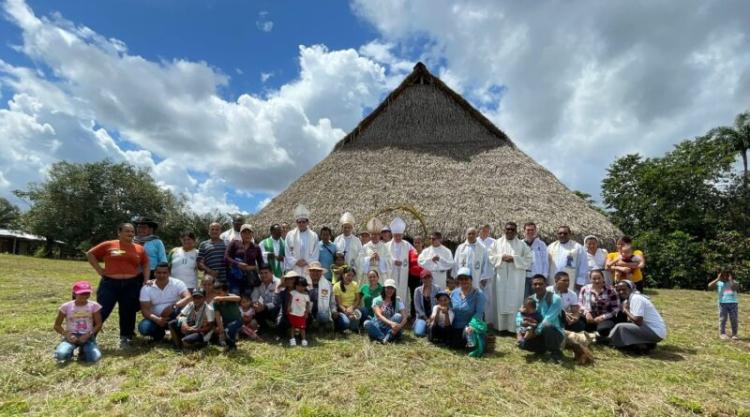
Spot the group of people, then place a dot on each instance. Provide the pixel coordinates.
(374, 281)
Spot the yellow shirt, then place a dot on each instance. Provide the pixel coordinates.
(346, 299)
(637, 274)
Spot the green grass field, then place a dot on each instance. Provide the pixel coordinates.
(692, 373)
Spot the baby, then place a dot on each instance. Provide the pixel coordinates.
(527, 319)
(626, 264)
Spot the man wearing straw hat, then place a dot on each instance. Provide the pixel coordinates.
(375, 254)
(399, 250)
(321, 295)
(347, 242)
(301, 243)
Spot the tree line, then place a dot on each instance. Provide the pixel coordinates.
(689, 210)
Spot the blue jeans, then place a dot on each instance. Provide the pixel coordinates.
(420, 328)
(149, 328)
(343, 322)
(230, 330)
(91, 352)
(378, 330)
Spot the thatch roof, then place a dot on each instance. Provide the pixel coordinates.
(426, 147)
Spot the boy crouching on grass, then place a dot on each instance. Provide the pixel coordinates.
(193, 327)
(83, 320)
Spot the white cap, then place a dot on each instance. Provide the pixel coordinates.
(390, 283)
(301, 212)
(374, 225)
(398, 226)
(463, 271)
(246, 227)
(347, 218)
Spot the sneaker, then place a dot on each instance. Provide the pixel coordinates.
(387, 338)
(304, 342)
(734, 337)
(125, 342)
(723, 337)
(293, 342)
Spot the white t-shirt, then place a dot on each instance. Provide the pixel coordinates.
(299, 303)
(184, 266)
(443, 321)
(641, 306)
(162, 298)
(569, 298)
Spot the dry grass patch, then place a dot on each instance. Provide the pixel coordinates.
(692, 373)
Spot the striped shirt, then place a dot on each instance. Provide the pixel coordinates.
(212, 254)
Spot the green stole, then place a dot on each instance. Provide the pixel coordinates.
(275, 265)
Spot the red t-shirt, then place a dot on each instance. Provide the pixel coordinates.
(414, 269)
(120, 259)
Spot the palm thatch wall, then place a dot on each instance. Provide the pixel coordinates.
(425, 147)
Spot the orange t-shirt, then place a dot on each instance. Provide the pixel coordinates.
(637, 274)
(120, 259)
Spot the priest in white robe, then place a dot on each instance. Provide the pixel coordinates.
(399, 250)
(473, 255)
(485, 237)
(437, 259)
(565, 254)
(301, 243)
(511, 257)
(540, 264)
(347, 242)
(375, 255)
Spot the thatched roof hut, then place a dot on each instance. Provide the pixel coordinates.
(428, 150)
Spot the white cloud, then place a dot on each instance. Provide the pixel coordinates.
(262, 203)
(580, 83)
(263, 23)
(170, 114)
(265, 76)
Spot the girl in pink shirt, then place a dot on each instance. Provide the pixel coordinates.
(83, 320)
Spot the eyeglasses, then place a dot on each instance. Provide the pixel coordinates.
(301, 221)
(510, 229)
(563, 233)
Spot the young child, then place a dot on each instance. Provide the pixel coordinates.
(441, 319)
(727, 288)
(83, 319)
(338, 267)
(623, 267)
(194, 326)
(527, 319)
(227, 315)
(450, 284)
(298, 311)
(249, 325)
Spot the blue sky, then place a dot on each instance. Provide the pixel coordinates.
(227, 102)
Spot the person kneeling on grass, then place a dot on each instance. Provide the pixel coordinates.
(644, 328)
(194, 326)
(390, 315)
(161, 301)
(83, 319)
(548, 335)
(249, 324)
(228, 316)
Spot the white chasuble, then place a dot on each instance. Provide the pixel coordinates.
(509, 283)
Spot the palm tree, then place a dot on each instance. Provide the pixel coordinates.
(739, 138)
